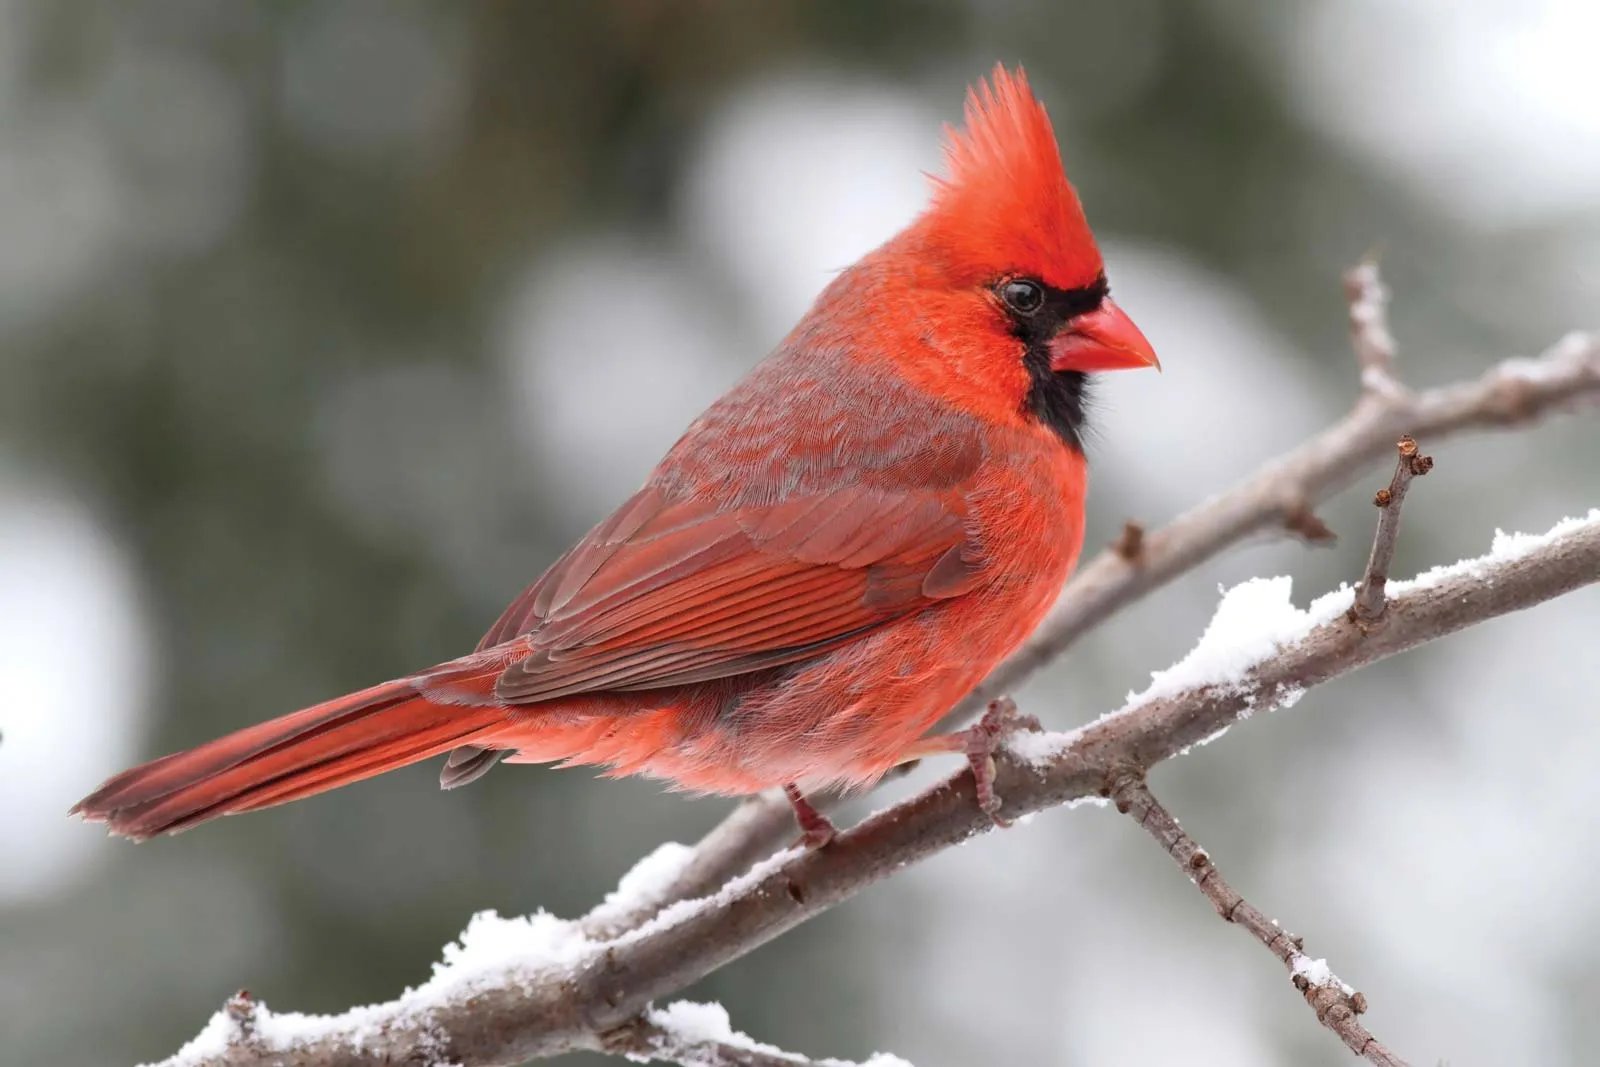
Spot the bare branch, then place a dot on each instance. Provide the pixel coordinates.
(1374, 345)
(1336, 1005)
(1278, 495)
(522, 1014)
(1370, 601)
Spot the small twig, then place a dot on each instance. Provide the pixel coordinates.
(1337, 1006)
(1130, 546)
(1368, 299)
(1370, 602)
(1301, 521)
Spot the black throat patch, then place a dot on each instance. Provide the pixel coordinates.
(1057, 399)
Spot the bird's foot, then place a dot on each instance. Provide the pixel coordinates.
(816, 830)
(979, 742)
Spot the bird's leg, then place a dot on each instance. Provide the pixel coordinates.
(977, 743)
(815, 828)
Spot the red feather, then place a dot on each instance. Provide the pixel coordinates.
(832, 555)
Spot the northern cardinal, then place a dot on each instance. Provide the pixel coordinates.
(835, 552)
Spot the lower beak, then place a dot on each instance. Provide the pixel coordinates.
(1100, 340)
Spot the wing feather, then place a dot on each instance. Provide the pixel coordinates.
(670, 592)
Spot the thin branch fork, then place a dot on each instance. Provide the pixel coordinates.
(1370, 601)
(525, 1016)
(1336, 1005)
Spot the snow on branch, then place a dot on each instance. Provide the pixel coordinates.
(700, 1035)
(518, 989)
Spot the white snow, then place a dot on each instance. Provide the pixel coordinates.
(493, 952)
(648, 881)
(689, 1025)
(1317, 972)
(1254, 620)
(1039, 746)
(685, 909)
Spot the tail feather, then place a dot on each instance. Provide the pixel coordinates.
(300, 754)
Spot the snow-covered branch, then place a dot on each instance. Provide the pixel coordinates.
(517, 989)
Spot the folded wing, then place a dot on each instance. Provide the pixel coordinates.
(670, 592)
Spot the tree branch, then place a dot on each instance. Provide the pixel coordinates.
(699, 1035)
(1368, 300)
(1279, 495)
(1336, 1005)
(1370, 601)
(507, 1013)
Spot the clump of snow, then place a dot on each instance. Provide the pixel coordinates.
(1039, 747)
(492, 945)
(653, 875)
(647, 882)
(1318, 973)
(1514, 546)
(1253, 621)
(684, 910)
(212, 1041)
(691, 1032)
(688, 1025)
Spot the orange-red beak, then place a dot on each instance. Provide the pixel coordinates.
(1100, 340)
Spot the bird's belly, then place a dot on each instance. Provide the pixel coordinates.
(849, 715)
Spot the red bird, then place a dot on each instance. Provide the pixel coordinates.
(835, 552)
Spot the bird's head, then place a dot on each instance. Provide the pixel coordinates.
(1004, 248)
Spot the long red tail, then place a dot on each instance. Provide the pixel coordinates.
(306, 752)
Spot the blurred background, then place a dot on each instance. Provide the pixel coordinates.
(325, 327)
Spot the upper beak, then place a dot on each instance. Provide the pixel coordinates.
(1099, 340)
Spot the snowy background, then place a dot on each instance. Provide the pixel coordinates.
(324, 327)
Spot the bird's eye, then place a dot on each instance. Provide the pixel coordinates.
(1022, 295)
